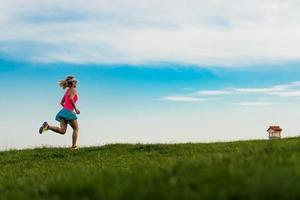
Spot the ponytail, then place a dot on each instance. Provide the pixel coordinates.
(63, 84)
(66, 82)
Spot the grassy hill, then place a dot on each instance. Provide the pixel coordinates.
(259, 169)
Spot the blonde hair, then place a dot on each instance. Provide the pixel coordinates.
(64, 83)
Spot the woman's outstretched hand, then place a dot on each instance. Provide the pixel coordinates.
(77, 111)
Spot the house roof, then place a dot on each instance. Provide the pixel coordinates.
(275, 128)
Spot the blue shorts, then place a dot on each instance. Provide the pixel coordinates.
(65, 114)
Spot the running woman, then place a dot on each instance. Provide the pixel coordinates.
(66, 115)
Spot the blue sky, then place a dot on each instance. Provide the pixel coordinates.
(168, 71)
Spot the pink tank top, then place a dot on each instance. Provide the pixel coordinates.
(68, 104)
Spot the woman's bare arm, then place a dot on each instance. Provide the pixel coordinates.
(62, 101)
(71, 95)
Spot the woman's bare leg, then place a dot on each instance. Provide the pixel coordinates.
(62, 129)
(74, 125)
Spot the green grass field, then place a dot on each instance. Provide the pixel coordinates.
(259, 169)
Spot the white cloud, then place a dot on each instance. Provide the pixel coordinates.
(285, 90)
(136, 31)
(293, 93)
(213, 92)
(291, 89)
(182, 99)
(257, 103)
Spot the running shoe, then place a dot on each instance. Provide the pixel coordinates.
(44, 127)
(74, 147)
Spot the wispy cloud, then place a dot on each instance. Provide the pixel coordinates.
(182, 99)
(291, 89)
(285, 90)
(133, 31)
(257, 103)
(213, 92)
(295, 93)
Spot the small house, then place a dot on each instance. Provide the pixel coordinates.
(274, 132)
